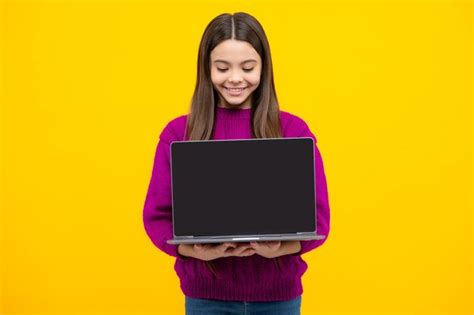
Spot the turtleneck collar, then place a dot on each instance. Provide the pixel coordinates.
(233, 113)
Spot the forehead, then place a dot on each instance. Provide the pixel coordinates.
(234, 51)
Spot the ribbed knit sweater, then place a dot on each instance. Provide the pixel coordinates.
(252, 278)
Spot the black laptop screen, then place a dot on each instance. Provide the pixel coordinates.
(243, 187)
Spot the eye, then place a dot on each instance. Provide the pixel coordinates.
(224, 70)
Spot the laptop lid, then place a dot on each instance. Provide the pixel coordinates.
(243, 187)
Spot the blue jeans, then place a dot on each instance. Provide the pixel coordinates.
(216, 307)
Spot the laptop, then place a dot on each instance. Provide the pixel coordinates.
(242, 190)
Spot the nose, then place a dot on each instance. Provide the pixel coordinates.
(235, 77)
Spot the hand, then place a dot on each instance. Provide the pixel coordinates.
(212, 251)
(274, 249)
(269, 249)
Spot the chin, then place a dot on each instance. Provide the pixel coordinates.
(236, 102)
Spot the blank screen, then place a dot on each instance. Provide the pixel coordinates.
(243, 187)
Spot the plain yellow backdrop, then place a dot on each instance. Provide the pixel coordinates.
(87, 86)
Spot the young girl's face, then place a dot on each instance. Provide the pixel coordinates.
(235, 73)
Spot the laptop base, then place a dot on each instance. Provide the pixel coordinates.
(233, 239)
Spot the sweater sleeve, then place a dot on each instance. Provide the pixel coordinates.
(322, 201)
(157, 215)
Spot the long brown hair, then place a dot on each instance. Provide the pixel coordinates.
(265, 110)
(265, 122)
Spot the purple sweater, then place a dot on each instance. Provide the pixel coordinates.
(252, 278)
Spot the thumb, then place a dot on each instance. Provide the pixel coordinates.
(198, 246)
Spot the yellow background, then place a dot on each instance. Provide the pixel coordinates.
(88, 86)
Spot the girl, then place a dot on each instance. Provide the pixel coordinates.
(234, 98)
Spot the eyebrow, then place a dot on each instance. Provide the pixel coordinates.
(226, 62)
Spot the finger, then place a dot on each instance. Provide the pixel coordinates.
(255, 245)
(248, 252)
(222, 248)
(199, 248)
(244, 245)
(235, 251)
(229, 244)
(238, 251)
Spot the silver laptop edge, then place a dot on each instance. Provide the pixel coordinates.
(221, 239)
(239, 238)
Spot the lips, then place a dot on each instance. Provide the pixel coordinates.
(234, 91)
(235, 88)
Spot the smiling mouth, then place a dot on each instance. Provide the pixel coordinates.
(234, 91)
